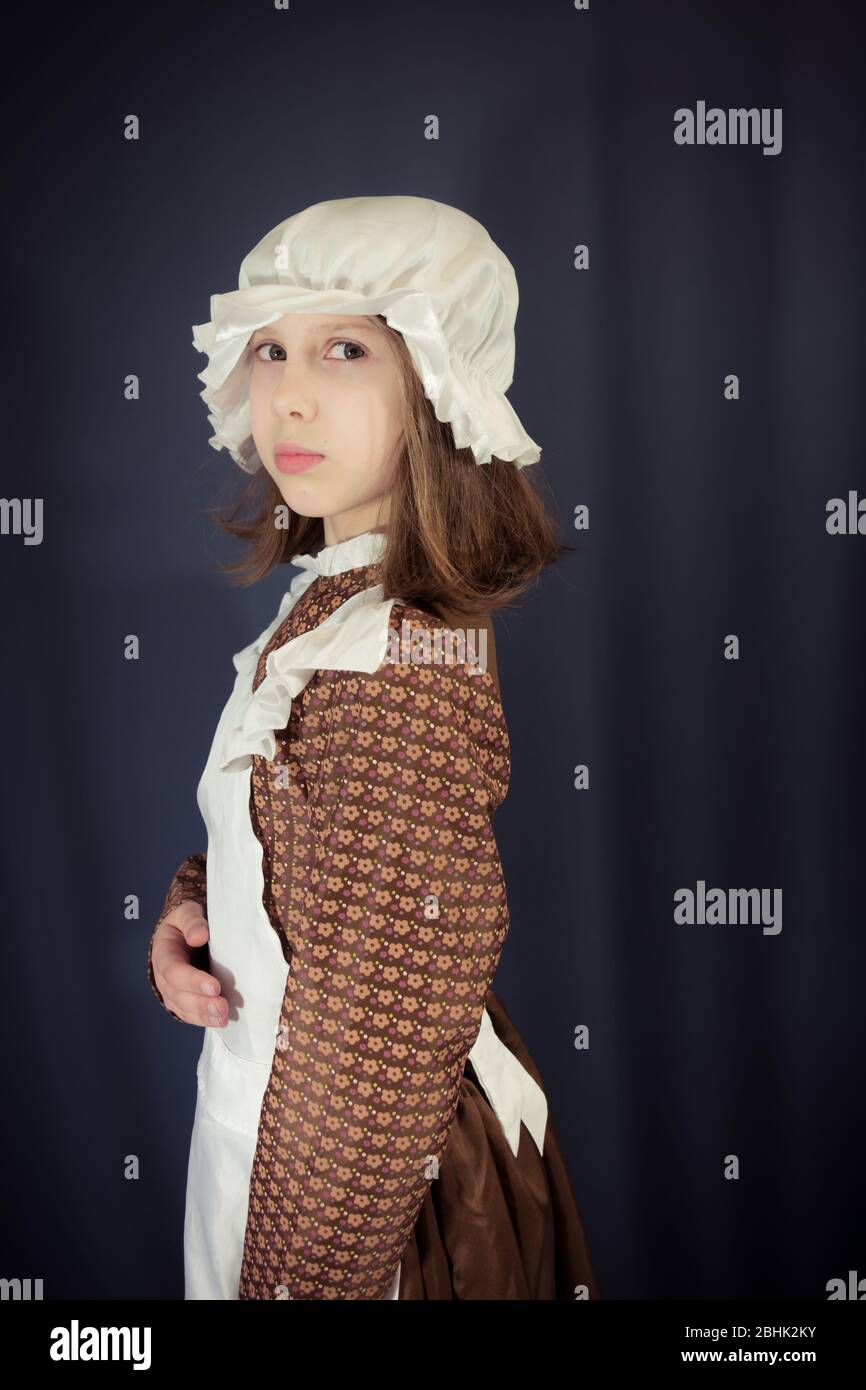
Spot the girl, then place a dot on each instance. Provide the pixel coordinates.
(369, 1124)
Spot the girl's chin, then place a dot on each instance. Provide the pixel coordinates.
(299, 492)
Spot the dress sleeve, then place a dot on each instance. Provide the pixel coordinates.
(396, 927)
(189, 883)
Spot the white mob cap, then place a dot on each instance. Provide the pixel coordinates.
(432, 271)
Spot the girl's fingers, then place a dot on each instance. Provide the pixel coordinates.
(171, 956)
(192, 1007)
(181, 977)
(196, 931)
(176, 976)
(193, 995)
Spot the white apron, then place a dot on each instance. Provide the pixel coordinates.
(246, 955)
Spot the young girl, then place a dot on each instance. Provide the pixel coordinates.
(369, 1124)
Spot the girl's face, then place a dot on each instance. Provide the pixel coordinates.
(329, 384)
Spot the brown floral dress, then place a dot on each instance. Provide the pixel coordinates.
(377, 1148)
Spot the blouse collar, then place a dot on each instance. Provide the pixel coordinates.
(355, 553)
(351, 554)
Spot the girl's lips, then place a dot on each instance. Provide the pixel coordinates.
(296, 463)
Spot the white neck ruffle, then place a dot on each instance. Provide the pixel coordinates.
(353, 638)
(365, 549)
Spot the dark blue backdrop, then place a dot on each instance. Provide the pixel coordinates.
(707, 517)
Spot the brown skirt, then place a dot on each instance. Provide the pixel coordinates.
(494, 1225)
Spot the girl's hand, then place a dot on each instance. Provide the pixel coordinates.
(192, 994)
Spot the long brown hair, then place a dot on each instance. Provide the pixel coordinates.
(463, 537)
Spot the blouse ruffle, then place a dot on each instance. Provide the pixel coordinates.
(354, 638)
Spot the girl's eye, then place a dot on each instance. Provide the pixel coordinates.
(357, 346)
(258, 347)
(343, 342)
